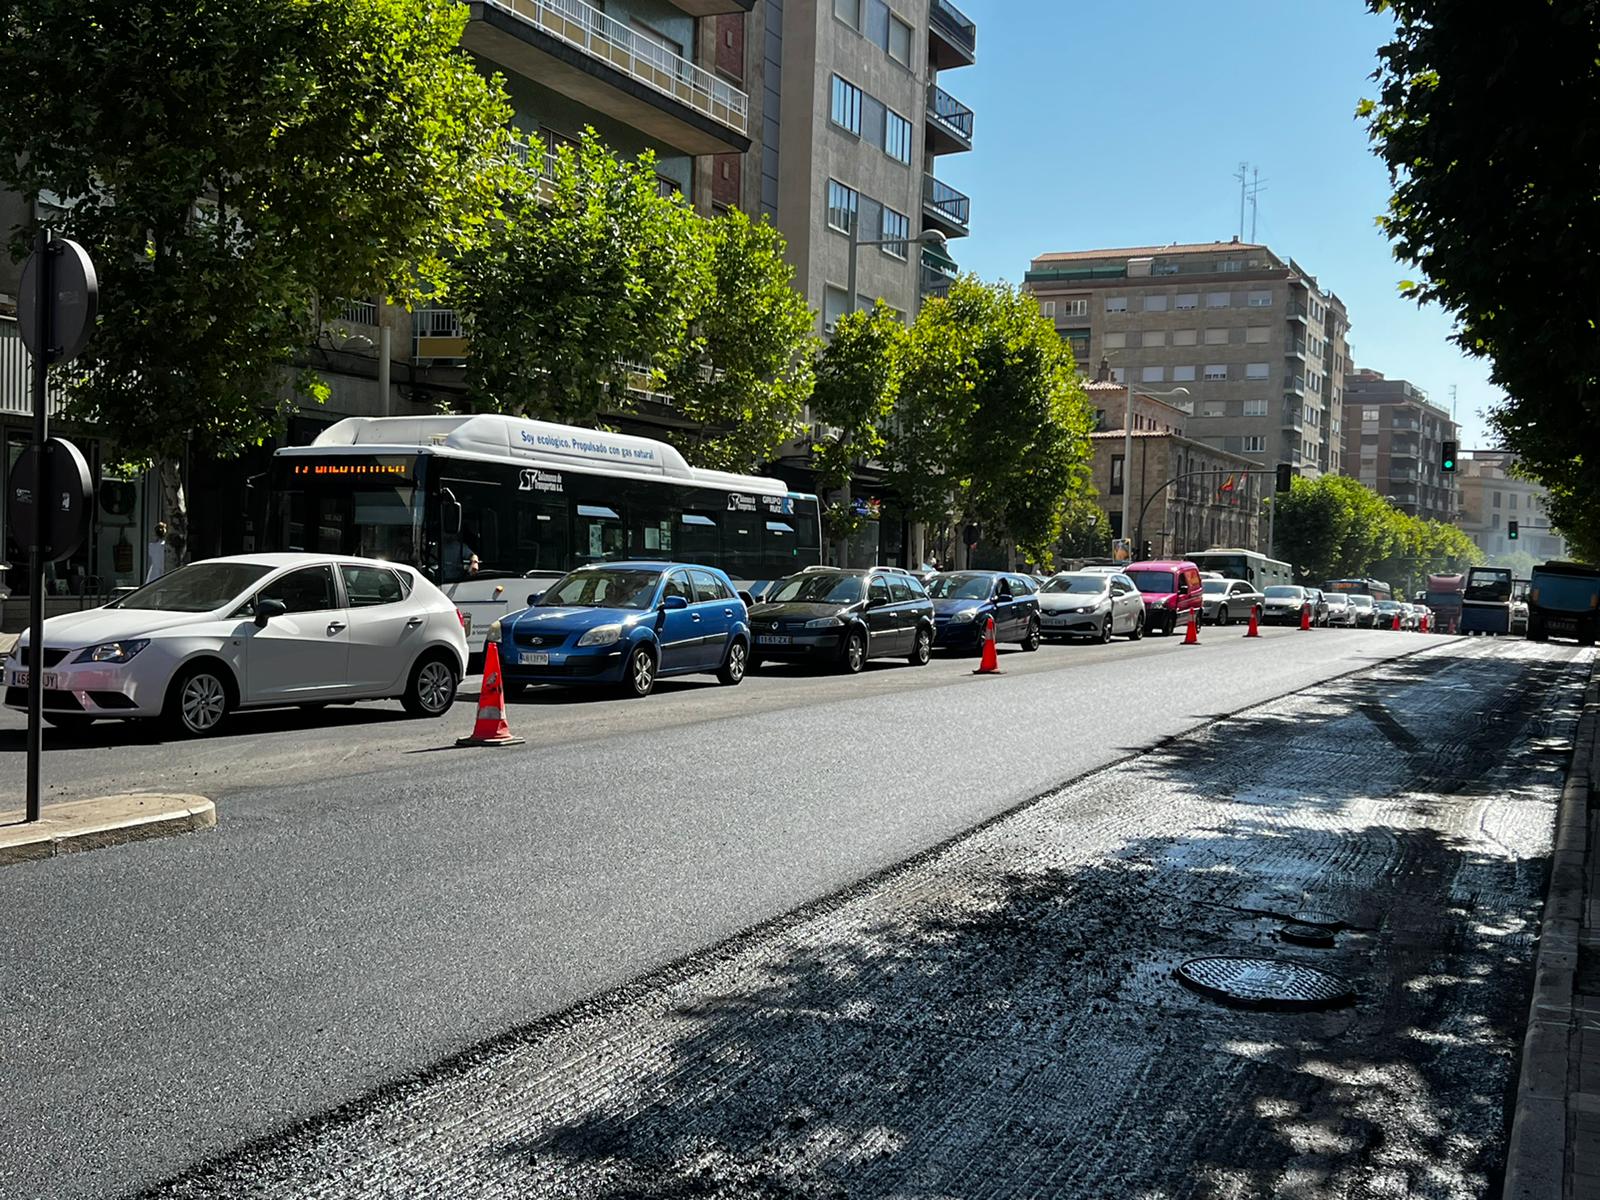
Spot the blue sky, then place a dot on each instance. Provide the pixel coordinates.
(1123, 123)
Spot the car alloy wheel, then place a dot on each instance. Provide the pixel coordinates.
(922, 648)
(641, 673)
(738, 663)
(1034, 636)
(436, 687)
(855, 653)
(1138, 628)
(1105, 630)
(202, 702)
(1222, 615)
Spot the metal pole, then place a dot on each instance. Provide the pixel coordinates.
(385, 349)
(42, 294)
(1127, 461)
(1272, 512)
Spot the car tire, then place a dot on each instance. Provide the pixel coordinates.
(1105, 631)
(431, 688)
(733, 669)
(1031, 640)
(1138, 628)
(198, 702)
(639, 673)
(69, 722)
(854, 656)
(921, 647)
(1222, 615)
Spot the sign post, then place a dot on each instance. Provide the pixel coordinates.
(49, 493)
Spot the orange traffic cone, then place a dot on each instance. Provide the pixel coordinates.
(989, 664)
(1255, 624)
(491, 729)
(1305, 618)
(1191, 636)
(1395, 628)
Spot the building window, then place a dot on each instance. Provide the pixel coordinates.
(1154, 337)
(1116, 341)
(848, 11)
(1370, 414)
(1496, 496)
(1494, 520)
(1187, 300)
(1216, 372)
(835, 303)
(1216, 408)
(1183, 374)
(1260, 300)
(1156, 375)
(1185, 337)
(1231, 264)
(1219, 299)
(899, 41)
(1047, 308)
(1512, 502)
(1216, 337)
(1078, 306)
(896, 229)
(1255, 335)
(1255, 444)
(1155, 304)
(842, 205)
(897, 137)
(1255, 406)
(1116, 474)
(1255, 370)
(846, 112)
(1078, 339)
(1116, 304)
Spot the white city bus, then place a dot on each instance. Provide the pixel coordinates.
(1253, 568)
(528, 501)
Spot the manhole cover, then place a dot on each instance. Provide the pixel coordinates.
(1315, 916)
(1265, 983)
(1307, 935)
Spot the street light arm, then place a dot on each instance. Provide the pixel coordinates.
(1139, 537)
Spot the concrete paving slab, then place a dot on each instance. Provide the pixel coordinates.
(103, 821)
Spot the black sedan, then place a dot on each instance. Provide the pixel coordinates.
(844, 617)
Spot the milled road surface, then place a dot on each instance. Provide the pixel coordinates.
(166, 1002)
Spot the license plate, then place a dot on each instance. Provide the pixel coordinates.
(773, 639)
(1058, 620)
(534, 658)
(52, 680)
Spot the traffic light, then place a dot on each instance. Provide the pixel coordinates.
(1285, 477)
(1511, 530)
(1447, 460)
(1145, 552)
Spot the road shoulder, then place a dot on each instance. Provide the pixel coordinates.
(103, 821)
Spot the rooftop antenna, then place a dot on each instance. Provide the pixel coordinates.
(1243, 176)
(1256, 188)
(1452, 404)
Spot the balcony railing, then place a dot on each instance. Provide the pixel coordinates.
(950, 204)
(1293, 417)
(1295, 384)
(638, 57)
(436, 333)
(16, 376)
(1296, 311)
(949, 112)
(1295, 349)
(359, 312)
(954, 24)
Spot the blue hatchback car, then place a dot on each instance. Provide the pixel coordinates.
(626, 624)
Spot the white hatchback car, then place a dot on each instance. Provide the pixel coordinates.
(251, 631)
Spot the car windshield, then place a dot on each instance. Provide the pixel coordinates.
(1388, 605)
(608, 588)
(1087, 585)
(960, 587)
(1571, 593)
(1337, 601)
(1361, 601)
(819, 587)
(1284, 592)
(1216, 587)
(1153, 581)
(199, 587)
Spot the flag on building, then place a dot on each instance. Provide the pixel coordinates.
(1227, 484)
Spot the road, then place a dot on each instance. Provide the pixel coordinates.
(368, 907)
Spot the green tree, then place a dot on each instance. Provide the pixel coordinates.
(857, 379)
(1085, 531)
(228, 166)
(588, 280)
(747, 372)
(1495, 202)
(992, 425)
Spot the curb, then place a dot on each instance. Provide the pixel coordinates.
(1539, 1150)
(103, 821)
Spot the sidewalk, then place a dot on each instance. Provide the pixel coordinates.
(1554, 1152)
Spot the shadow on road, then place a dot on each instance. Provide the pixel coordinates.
(241, 726)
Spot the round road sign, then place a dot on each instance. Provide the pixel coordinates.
(75, 295)
(63, 488)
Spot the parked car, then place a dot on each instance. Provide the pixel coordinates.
(1387, 611)
(1341, 612)
(1224, 600)
(1091, 604)
(1366, 610)
(1319, 605)
(249, 631)
(626, 624)
(846, 617)
(965, 601)
(1284, 604)
(1171, 589)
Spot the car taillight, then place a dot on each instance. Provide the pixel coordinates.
(462, 617)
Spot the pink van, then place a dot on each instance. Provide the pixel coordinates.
(1171, 589)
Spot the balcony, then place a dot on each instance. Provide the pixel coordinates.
(575, 49)
(1295, 311)
(952, 37)
(1404, 450)
(949, 123)
(944, 208)
(1295, 349)
(1293, 417)
(437, 336)
(1294, 384)
(712, 8)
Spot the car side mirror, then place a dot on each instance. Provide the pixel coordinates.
(534, 598)
(877, 601)
(747, 598)
(267, 609)
(673, 603)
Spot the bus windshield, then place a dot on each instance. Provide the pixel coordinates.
(356, 504)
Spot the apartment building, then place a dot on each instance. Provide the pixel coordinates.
(1492, 497)
(1394, 443)
(1259, 346)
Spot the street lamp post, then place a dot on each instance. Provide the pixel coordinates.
(1127, 452)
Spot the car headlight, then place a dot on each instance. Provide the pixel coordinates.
(967, 614)
(494, 630)
(823, 623)
(1158, 604)
(112, 652)
(601, 635)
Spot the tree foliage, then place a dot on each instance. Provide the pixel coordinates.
(1488, 135)
(227, 166)
(746, 373)
(589, 279)
(857, 380)
(1338, 528)
(991, 424)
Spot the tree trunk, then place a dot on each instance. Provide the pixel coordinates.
(841, 545)
(174, 510)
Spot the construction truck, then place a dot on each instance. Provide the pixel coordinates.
(1444, 598)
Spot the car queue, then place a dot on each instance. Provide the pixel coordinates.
(305, 629)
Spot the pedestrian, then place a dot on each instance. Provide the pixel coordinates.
(156, 554)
